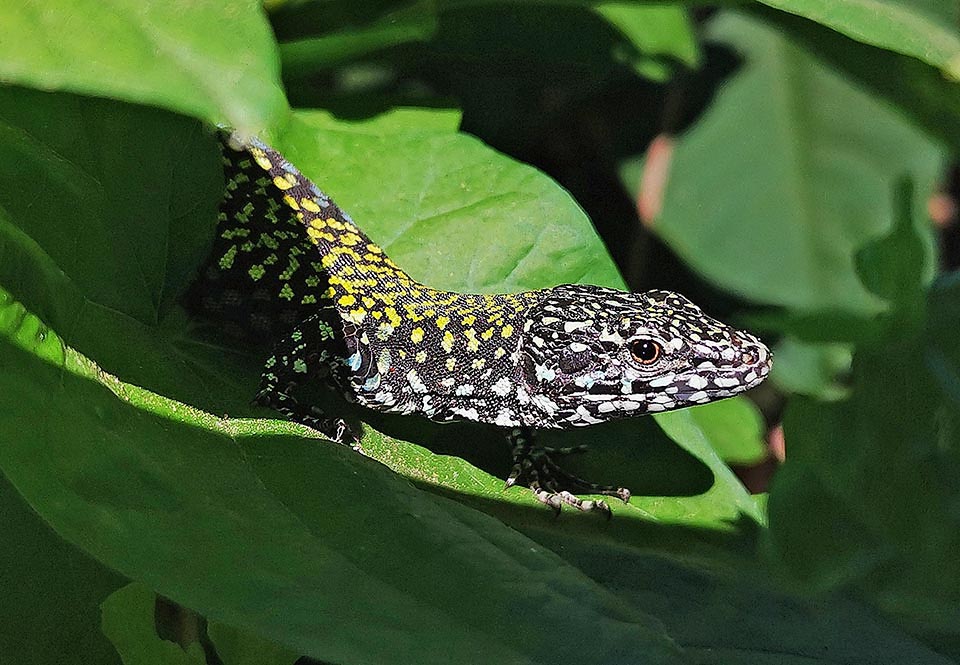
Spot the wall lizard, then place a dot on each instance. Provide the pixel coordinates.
(288, 264)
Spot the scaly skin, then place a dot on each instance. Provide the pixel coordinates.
(287, 259)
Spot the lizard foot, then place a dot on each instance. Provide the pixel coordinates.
(337, 430)
(534, 468)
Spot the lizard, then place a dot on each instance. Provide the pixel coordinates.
(289, 264)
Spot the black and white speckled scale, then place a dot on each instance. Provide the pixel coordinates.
(287, 259)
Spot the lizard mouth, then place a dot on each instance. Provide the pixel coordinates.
(746, 367)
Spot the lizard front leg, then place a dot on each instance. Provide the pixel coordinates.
(310, 351)
(534, 467)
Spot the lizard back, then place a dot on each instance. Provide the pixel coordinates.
(284, 251)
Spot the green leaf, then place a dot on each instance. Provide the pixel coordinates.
(244, 505)
(241, 648)
(212, 59)
(918, 90)
(926, 30)
(776, 213)
(700, 435)
(724, 609)
(868, 493)
(129, 198)
(141, 481)
(430, 218)
(51, 592)
(734, 428)
(894, 267)
(817, 370)
(415, 23)
(657, 33)
(128, 620)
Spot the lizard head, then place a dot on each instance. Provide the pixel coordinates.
(592, 354)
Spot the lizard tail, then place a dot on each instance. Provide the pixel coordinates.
(283, 248)
(263, 275)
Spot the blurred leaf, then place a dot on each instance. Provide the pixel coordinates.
(814, 369)
(919, 90)
(894, 266)
(51, 592)
(562, 39)
(869, 491)
(214, 59)
(781, 180)
(657, 32)
(128, 620)
(414, 23)
(943, 358)
(926, 30)
(822, 327)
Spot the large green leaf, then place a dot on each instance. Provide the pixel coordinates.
(925, 29)
(282, 535)
(210, 58)
(781, 180)
(430, 219)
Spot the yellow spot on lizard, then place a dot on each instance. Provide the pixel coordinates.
(282, 183)
(357, 315)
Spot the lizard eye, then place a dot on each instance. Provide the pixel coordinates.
(645, 351)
